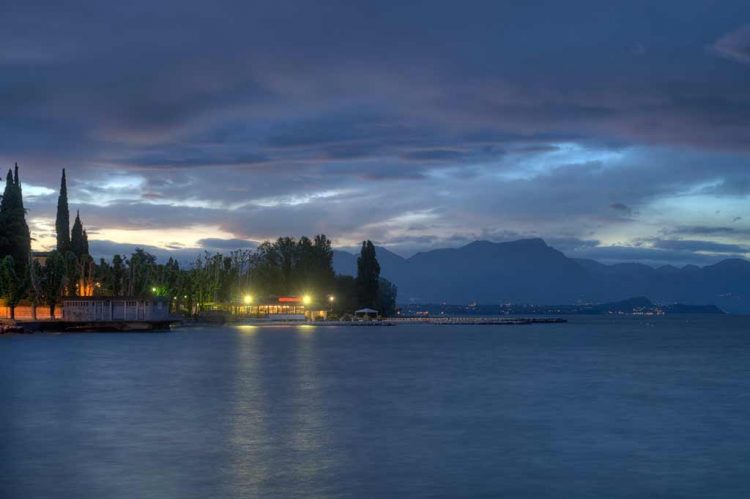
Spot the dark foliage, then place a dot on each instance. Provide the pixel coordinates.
(62, 221)
(368, 276)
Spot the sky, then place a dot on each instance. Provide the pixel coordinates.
(615, 130)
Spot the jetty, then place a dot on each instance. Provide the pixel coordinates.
(402, 321)
(478, 321)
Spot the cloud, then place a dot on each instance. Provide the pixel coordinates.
(735, 45)
(621, 207)
(700, 246)
(709, 230)
(490, 122)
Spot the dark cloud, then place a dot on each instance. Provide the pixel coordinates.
(622, 207)
(435, 155)
(700, 246)
(709, 230)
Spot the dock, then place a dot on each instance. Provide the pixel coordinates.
(478, 321)
(407, 321)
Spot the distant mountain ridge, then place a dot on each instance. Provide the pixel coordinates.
(530, 271)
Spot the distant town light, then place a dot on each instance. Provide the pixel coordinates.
(307, 299)
(331, 298)
(248, 299)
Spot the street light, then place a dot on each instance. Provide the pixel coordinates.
(331, 298)
(248, 299)
(307, 299)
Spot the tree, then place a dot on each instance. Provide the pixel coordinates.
(34, 289)
(52, 280)
(86, 273)
(72, 272)
(117, 276)
(79, 242)
(322, 273)
(140, 273)
(368, 275)
(286, 248)
(265, 273)
(62, 222)
(386, 302)
(345, 292)
(15, 238)
(12, 285)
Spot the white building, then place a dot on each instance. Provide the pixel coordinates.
(107, 308)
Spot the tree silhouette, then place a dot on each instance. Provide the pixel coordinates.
(368, 275)
(62, 221)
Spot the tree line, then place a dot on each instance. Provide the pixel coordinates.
(284, 267)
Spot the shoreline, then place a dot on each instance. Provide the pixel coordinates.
(62, 326)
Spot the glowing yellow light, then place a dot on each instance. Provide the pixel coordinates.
(332, 298)
(307, 299)
(248, 299)
(153, 290)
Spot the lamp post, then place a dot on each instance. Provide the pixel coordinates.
(331, 301)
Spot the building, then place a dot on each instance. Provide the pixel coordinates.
(282, 308)
(107, 308)
(40, 257)
(366, 313)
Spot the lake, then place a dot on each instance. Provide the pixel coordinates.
(598, 407)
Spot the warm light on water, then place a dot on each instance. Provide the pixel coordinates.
(247, 329)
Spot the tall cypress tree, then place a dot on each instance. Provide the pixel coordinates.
(15, 238)
(62, 223)
(368, 276)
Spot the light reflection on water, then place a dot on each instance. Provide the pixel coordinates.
(598, 407)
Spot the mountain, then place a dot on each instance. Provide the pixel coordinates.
(530, 271)
(390, 263)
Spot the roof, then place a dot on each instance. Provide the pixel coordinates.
(366, 311)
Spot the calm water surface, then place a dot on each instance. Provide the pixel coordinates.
(597, 407)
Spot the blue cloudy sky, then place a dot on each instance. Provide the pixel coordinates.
(615, 130)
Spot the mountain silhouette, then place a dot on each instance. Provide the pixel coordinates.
(531, 272)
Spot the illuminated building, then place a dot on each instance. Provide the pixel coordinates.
(283, 308)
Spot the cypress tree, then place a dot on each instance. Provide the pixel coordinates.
(78, 240)
(8, 194)
(62, 222)
(368, 275)
(15, 238)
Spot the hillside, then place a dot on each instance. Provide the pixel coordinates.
(530, 271)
